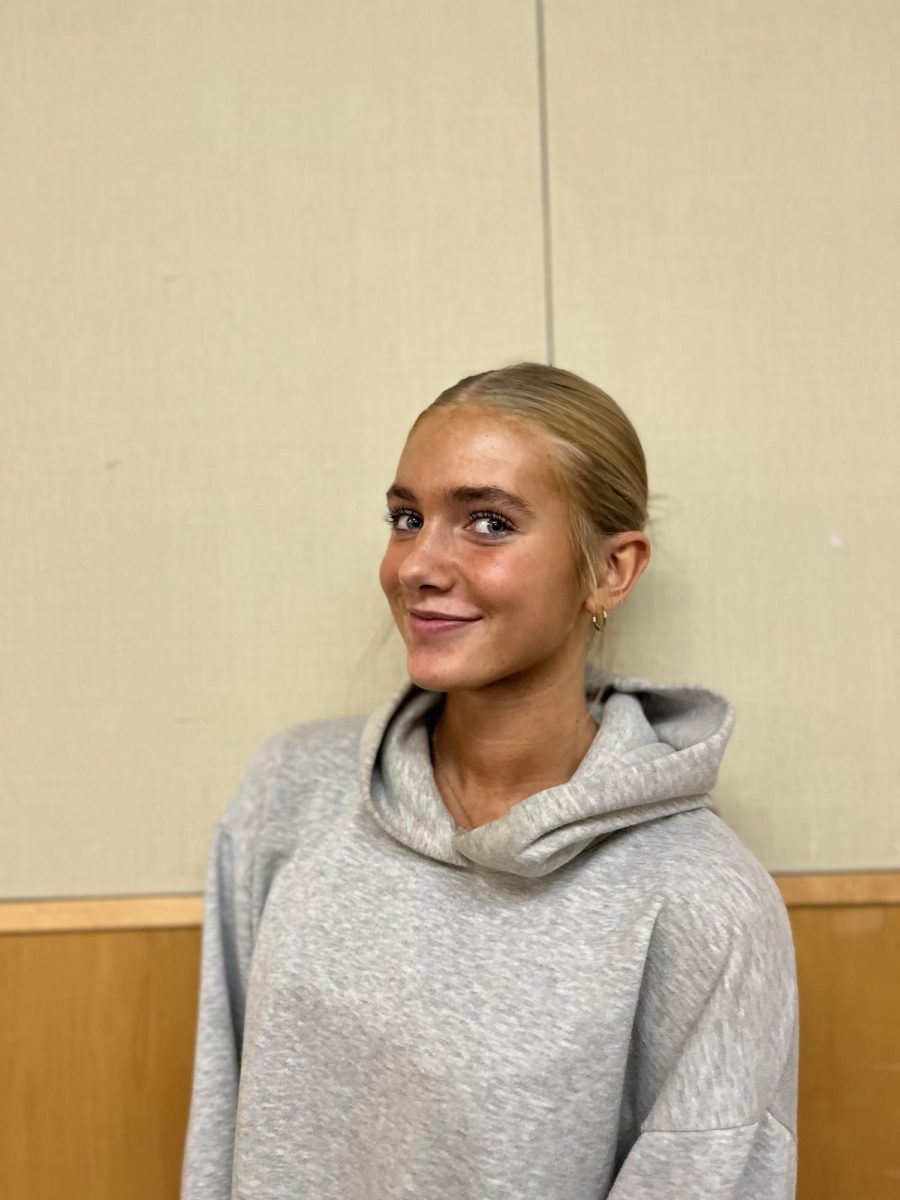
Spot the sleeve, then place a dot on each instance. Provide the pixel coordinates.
(224, 964)
(718, 1058)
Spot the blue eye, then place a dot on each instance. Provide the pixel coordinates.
(507, 526)
(393, 515)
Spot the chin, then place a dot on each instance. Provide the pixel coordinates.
(449, 676)
(431, 679)
(441, 677)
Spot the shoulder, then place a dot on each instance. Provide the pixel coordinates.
(304, 762)
(709, 888)
(718, 903)
(311, 745)
(703, 854)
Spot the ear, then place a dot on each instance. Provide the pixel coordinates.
(627, 556)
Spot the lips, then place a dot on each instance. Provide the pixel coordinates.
(430, 625)
(439, 616)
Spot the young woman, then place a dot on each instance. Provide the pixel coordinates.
(493, 941)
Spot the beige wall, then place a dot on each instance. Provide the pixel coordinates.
(242, 245)
(725, 198)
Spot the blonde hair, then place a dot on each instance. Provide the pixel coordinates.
(600, 467)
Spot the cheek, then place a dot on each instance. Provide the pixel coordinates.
(543, 584)
(506, 581)
(387, 573)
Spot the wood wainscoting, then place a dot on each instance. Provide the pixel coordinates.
(98, 1007)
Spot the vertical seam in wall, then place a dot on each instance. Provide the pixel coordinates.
(547, 245)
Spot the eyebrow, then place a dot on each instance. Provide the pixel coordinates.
(485, 492)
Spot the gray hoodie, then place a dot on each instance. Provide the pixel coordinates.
(592, 996)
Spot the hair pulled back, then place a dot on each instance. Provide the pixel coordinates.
(600, 467)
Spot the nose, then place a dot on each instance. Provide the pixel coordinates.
(428, 559)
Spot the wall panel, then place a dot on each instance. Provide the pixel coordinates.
(724, 187)
(243, 245)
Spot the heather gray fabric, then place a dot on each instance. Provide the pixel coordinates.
(594, 996)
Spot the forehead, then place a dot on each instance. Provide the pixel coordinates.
(467, 445)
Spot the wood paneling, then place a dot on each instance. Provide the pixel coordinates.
(96, 1054)
(97, 1032)
(848, 968)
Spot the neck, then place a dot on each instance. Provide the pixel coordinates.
(494, 746)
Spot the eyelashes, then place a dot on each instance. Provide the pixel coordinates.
(393, 516)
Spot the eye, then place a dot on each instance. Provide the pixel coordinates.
(394, 515)
(501, 525)
(494, 518)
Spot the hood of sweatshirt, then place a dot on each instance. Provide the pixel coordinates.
(657, 752)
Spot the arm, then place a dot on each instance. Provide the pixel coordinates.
(716, 1057)
(224, 965)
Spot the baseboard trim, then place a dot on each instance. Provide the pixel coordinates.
(186, 911)
(101, 913)
(839, 888)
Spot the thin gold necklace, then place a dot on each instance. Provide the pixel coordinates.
(452, 790)
(437, 763)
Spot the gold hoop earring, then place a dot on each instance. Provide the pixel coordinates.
(599, 628)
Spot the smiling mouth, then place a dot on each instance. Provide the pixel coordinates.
(434, 625)
(439, 616)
